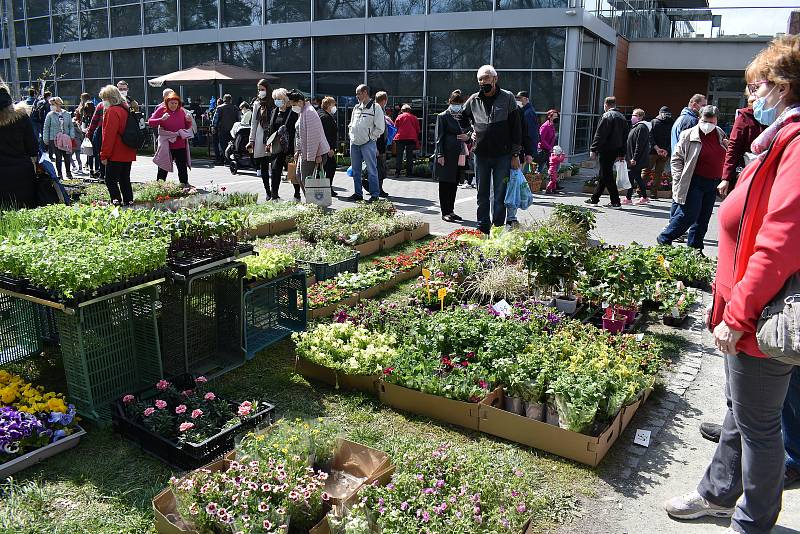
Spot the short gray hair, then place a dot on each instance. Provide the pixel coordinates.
(709, 111)
(280, 93)
(362, 88)
(166, 91)
(487, 69)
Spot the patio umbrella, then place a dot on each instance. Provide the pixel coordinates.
(211, 72)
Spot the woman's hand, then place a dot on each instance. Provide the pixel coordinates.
(331, 153)
(722, 188)
(462, 137)
(250, 147)
(318, 160)
(165, 116)
(726, 339)
(440, 161)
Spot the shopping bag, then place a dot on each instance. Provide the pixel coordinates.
(291, 173)
(86, 147)
(318, 188)
(518, 192)
(621, 174)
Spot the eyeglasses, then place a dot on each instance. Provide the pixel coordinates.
(753, 87)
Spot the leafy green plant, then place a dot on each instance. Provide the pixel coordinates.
(347, 347)
(504, 282)
(268, 264)
(579, 216)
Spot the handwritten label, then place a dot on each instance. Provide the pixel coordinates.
(426, 273)
(503, 308)
(676, 313)
(642, 437)
(442, 293)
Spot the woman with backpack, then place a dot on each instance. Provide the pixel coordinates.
(58, 133)
(115, 155)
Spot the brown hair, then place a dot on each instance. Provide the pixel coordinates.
(551, 113)
(456, 97)
(172, 95)
(610, 101)
(327, 102)
(779, 63)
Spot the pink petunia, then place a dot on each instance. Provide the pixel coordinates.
(196, 413)
(209, 396)
(149, 411)
(160, 404)
(162, 385)
(201, 380)
(186, 426)
(245, 408)
(180, 409)
(127, 399)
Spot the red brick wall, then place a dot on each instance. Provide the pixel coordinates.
(650, 90)
(621, 73)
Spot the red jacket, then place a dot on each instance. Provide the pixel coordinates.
(407, 127)
(764, 211)
(745, 130)
(113, 149)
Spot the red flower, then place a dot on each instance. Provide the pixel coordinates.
(388, 370)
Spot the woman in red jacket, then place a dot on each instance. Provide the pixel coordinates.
(759, 227)
(745, 130)
(115, 155)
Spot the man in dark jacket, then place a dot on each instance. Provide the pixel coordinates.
(609, 143)
(636, 155)
(530, 127)
(225, 117)
(496, 126)
(327, 114)
(688, 118)
(660, 146)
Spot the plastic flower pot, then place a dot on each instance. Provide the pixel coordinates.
(535, 411)
(614, 325)
(629, 313)
(514, 405)
(551, 415)
(566, 304)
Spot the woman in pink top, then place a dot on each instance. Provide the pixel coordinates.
(547, 138)
(174, 127)
(311, 147)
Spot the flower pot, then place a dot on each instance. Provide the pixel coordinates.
(629, 313)
(551, 415)
(565, 304)
(535, 411)
(514, 405)
(614, 325)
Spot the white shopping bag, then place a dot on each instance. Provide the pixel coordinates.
(621, 173)
(318, 189)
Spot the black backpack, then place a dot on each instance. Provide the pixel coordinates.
(135, 132)
(40, 110)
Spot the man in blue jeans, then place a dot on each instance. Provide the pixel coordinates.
(790, 422)
(367, 124)
(496, 123)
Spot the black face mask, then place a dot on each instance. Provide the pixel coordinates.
(486, 88)
(555, 121)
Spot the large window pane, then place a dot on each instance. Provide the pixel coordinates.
(94, 24)
(341, 52)
(602, 62)
(452, 6)
(126, 20)
(65, 28)
(588, 47)
(92, 4)
(19, 10)
(339, 9)
(93, 85)
(160, 17)
(19, 33)
(459, 50)
(396, 83)
(69, 66)
(584, 131)
(289, 54)
(544, 87)
(22, 68)
(241, 13)
(287, 11)
(243, 53)
(128, 62)
(192, 55)
(535, 48)
(41, 67)
(339, 83)
(385, 8)
(529, 4)
(198, 14)
(135, 88)
(396, 51)
(37, 8)
(441, 84)
(96, 65)
(161, 60)
(39, 31)
(586, 93)
(294, 80)
(69, 91)
(61, 7)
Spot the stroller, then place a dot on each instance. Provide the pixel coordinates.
(236, 154)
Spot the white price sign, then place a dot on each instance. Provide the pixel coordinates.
(642, 437)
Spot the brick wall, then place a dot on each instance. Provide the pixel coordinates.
(650, 90)
(621, 73)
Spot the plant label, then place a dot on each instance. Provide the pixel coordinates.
(503, 308)
(640, 337)
(642, 437)
(676, 313)
(426, 273)
(442, 293)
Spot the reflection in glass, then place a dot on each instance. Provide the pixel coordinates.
(454, 6)
(584, 131)
(459, 49)
(161, 60)
(530, 4)
(69, 66)
(245, 54)
(241, 13)
(441, 84)
(96, 65)
(602, 61)
(65, 28)
(126, 21)
(339, 83)
(19, 10)
(289, 54)
(69, 91)
(41, 67)
(160, 17)
(396, 51)
(339, 9)
(135, 88)
(544, 87)
(534, 48)
(37, 8)
(586, 93)
(295, 80)
(387, 8)
(588, 47)
(19, 33)
(287, 11)
(39, 31)
(340, 52)
(198, 14)
(127, 62)
(195, 54)
(94, 24)
(92, 4)
(403, 84)
(61, 7)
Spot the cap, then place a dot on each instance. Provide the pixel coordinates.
(664, 109)
(522, 94)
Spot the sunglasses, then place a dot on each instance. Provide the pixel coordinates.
(753, 87)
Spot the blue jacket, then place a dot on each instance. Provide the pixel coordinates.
(687, 119)
(52, 126)
(530, 129)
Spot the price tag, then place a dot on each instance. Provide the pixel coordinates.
(640, 337)
(680, 285)
(503, 308)
(676, 313)
(426, 273)
(115, 213)
(642, 437)
(442, 294)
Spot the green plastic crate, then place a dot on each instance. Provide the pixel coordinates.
(110, 348)
(273, 310)
(19, 329)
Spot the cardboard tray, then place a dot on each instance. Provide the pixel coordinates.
(393, 240)
(463, 414)
(279, 227)
(369, 248)
(402, 276)
(329, 310)
(262, 230)
(319, 373)
(419, 232)
(42, 453)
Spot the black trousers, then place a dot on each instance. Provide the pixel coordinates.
(635, 176)
(118, 177)
(407, 147)
(607, 180)
(271, 169)
(60, 156)
(330, 169)
(447, 196)
(179, 158)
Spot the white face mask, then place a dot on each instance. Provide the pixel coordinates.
(707, 127)
(262, 94)
(333, 110)
(297, 109)
(124, 94)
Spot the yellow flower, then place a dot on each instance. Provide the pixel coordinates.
(56, 405)
(8, 394)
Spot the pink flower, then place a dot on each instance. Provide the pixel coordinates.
(180, 409)
(267, 524)
(263, 507)
(127, 399)
(211, 508)
(404, 506)
(521, 508)
(162, 385)
(196, 413)
(149, 411)
(325, 496)
(187, 392)
(245, 408)
(201, 380)
(186, 426)
(160, 404)
(209, 396)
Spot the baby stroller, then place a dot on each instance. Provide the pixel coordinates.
(236, 154)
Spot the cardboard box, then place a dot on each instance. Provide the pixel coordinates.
(262, 230)
(369, 248)
(327, 311)
(463, 414)
(332, 377)
(363, 383)
(393, 240)
(315, 371)
(402, 276)
(419, 232)
(585, 449)
(279, 227)
(374, 291)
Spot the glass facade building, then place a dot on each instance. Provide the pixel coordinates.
(560, 51)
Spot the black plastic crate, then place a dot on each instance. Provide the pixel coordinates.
(273, 310)
(186, 455)
(325, 271)
(189, 261)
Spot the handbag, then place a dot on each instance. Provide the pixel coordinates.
(621, 173)
(318, 188)
(291, 173)
(778, 328)
(271, 147)
(86, 147)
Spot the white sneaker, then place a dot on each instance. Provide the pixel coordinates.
(258, 173)
(693, 506)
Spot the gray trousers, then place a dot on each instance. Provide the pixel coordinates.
(750, 456)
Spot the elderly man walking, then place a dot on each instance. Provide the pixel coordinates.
(496, 126)
(366, 126)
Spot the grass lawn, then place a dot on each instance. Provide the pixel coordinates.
(105, 485)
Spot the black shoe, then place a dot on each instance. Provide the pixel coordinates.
(355, 198)
(448, 218)
(559, 188)
(276, 197)
(613, 206)
(711, 431)
(592, 202)
(790, 477)
(383, 194)
(297, 198)
(370, 200)
(681, 239)
(456, 217)
(334, 193)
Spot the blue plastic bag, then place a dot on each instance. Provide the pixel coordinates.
(518, 192)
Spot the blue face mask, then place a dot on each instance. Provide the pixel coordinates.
(278, 103)
(765, 116)
(455, 108)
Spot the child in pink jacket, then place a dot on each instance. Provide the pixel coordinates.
(557, 157)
